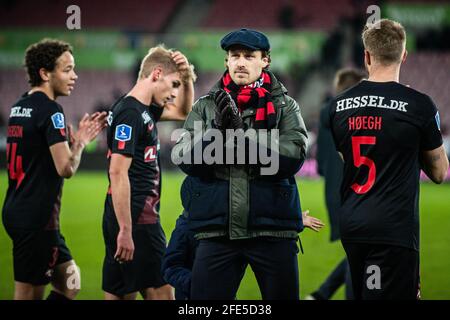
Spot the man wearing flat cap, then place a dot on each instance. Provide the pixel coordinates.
(241, 215)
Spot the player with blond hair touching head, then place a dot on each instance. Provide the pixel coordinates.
(134, 239)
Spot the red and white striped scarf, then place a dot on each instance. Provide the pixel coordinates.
(256, 95)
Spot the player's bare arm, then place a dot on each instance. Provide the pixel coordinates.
(435, 164)
(311, 222)
(67, 159)
(121, 195)
(179, 108)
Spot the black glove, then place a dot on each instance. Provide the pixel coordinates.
(221, 119)
(227, 113)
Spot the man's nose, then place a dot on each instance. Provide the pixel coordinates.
(241, 61)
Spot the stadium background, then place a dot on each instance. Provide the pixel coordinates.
(310, 41)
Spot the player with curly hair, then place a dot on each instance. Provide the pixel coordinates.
(41, 152)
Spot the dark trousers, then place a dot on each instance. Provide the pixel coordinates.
(397, 270)
(220, 265)
(339, 276)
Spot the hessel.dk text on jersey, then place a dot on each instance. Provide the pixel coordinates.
(20, 112)
(370, 102)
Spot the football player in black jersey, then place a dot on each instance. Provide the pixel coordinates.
(40, 153)
(386, 132)
(134, 239)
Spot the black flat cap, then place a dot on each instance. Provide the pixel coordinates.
(249, 38)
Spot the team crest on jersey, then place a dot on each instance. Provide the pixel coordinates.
(58, 120)
(438, 120)
(123, 132)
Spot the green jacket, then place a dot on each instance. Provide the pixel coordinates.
(236, 200)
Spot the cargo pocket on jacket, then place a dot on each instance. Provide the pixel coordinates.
(205, 199)
(274, 204)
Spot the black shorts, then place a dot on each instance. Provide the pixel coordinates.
(144, 271)
(36, 253)
(382, 271)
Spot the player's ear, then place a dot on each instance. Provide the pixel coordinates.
(367, 58)
(44, 74)
(405, 54)
(156, 74)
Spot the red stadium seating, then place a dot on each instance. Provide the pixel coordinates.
(148, 15)
(263, 14)
(428, 73)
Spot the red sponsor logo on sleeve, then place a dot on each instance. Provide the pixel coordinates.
(150, 154)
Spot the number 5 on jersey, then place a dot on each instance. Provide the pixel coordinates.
(359, 160)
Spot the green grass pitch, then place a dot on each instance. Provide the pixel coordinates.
(81, 216)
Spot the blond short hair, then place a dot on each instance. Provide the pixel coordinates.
(385, 40)
(159, 56)
(347, 78)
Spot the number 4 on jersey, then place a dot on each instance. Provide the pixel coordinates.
(360, 160)
(14, 165)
